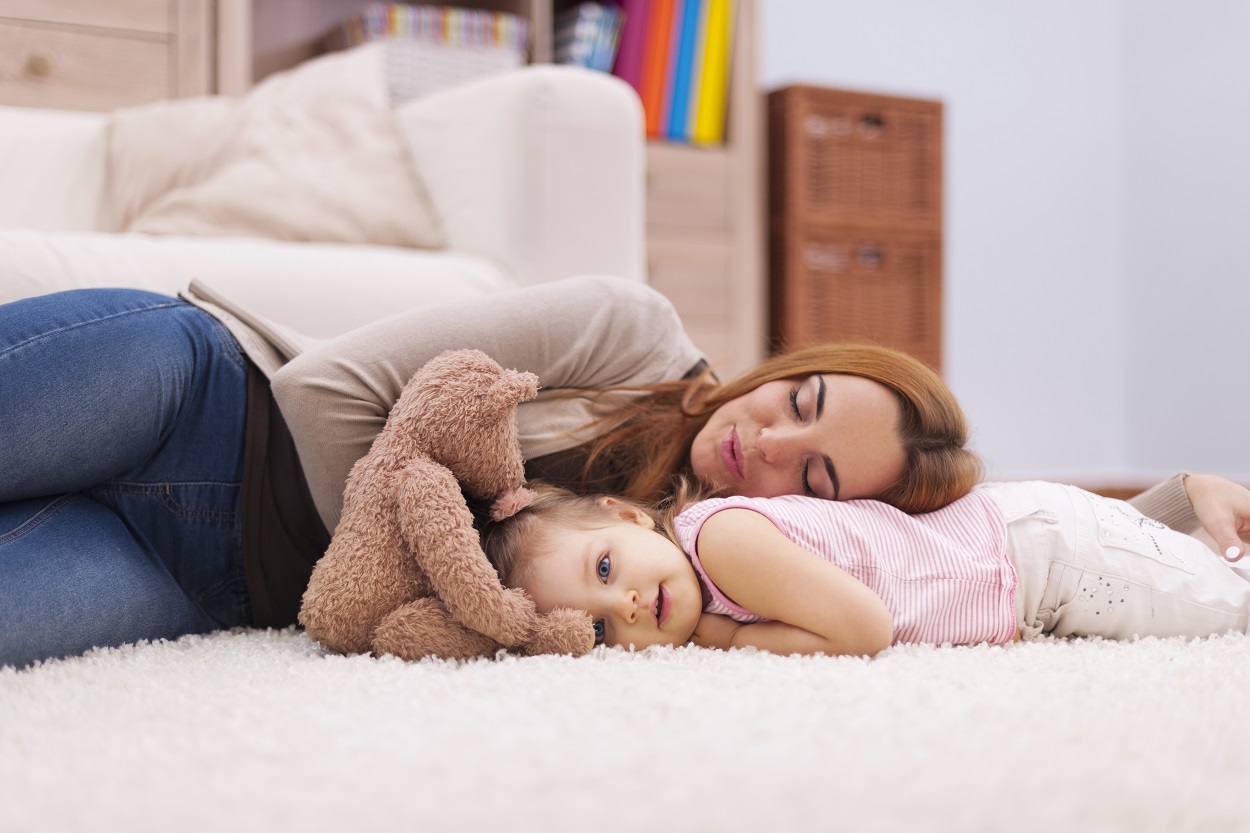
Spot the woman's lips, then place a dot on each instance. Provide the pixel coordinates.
(731, 453)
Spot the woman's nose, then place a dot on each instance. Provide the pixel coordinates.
(627, 606)
(771, 445)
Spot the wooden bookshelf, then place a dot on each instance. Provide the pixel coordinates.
(705, 218)
(705, 223)
(99, 56)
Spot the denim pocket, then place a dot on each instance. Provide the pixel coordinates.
(195, 529)
(29, 515)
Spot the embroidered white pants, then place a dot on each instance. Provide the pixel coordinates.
(1092, 566)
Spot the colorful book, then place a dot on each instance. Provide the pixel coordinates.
(608, 39)
(655, 62)
(710, 120)
(574, 34)
(685, 36)
(628, 65)
(674, 46)
(587, 35)
(696, 71)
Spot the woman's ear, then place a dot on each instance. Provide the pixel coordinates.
(625, 511)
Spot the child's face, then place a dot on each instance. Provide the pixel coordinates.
(637, 585)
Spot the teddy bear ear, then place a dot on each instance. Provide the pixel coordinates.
(511, 502)
(517, 386)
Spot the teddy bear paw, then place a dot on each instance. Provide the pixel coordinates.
(562, 631)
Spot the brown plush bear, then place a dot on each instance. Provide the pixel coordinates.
(405, 573)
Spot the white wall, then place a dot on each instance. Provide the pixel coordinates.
(1187, 203)
(1058, 278)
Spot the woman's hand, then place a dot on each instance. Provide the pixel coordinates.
(1223, 509)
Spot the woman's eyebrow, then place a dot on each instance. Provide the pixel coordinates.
(833, 476)
(830, 469)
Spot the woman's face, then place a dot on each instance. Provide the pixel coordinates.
(827, 435)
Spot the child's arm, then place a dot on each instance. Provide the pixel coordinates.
(816, 606)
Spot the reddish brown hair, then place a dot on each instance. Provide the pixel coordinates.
(651, 444)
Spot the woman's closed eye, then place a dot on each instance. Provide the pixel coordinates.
(823, 461)
(794, 402)
(798, 414)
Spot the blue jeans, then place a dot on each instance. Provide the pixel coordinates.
(121, 455)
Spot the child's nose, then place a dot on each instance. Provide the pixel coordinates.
(628, 606)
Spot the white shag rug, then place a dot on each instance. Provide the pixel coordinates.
(260, 731)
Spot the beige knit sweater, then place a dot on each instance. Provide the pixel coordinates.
(583, 333)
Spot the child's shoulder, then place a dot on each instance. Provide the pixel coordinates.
(780, 511)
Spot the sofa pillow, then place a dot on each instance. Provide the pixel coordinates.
(312, 153)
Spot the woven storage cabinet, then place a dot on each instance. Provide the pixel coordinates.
(855, 192)
(847, 285)
(845, 158)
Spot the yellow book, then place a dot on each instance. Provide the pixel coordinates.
(696, 73)
(709, 127)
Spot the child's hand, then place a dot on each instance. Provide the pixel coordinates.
(715, 631)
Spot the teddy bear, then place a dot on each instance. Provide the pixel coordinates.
(405, 573)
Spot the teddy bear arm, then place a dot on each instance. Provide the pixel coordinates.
(424, 628)
(438, 528)
(562, 631)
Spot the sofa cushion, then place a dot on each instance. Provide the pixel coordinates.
(310, 154)
(52, 169)
(317, 289)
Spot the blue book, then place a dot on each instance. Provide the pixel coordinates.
(686, 39)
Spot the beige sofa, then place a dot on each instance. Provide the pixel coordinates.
(534, 175)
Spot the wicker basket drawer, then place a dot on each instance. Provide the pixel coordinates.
(849, 158)
(77, 70)
(844, 285)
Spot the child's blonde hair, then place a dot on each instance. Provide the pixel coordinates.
(513, 542)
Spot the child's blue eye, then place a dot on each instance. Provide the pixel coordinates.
(598, 631)
(604, 567)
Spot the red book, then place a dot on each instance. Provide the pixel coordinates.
(655, 53)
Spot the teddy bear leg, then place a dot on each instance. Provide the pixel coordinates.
(424, 628)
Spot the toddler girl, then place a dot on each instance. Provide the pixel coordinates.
(1008, 561)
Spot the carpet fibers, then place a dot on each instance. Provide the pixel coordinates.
(261, 731)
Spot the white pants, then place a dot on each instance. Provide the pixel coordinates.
(1093, 566)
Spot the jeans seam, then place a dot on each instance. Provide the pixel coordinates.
(35, 521)
(236, 579)
(164, 491)
(226, 339)
(14, 347)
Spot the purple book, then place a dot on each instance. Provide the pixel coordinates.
(628, 64)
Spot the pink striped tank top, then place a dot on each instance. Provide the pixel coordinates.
(944, 575)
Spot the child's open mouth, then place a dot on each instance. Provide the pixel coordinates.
(663, 605)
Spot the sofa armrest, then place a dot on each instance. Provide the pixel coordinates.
(542, 170)
(52, 166)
